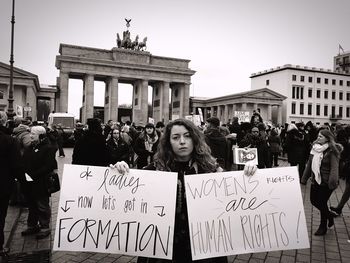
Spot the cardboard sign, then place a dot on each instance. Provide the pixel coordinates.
(243, 116)
(243, 155)
(230, 213)
(101, 210)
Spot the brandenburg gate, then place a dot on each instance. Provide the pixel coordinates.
(133, 66)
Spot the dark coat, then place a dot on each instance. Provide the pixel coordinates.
(296, 146)
(9, 162)
(38, 162)
(91, 149)
(118, 151)
(218, 145)
(144, 157)
(275, 143)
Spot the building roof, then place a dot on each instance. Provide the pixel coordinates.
(297, 67)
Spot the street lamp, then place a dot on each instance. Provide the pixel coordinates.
(10, 111)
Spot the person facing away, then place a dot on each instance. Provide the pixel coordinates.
(91, 148)
(182, 149)
(10, 170)
(322, 167)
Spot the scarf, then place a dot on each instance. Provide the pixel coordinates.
(317, 152)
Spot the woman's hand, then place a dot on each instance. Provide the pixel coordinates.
(122, 167)
(250, 169)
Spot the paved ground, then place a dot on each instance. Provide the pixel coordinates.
(334, 247)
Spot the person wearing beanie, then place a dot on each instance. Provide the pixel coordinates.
(38, 161)
(10, 170)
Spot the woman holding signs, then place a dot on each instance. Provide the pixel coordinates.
(323, 168)
(182, 149)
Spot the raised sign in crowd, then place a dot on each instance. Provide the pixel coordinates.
(178, 192)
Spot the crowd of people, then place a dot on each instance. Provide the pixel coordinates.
(321, 153)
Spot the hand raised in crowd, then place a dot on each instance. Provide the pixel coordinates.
(250, 169)
(122, 167)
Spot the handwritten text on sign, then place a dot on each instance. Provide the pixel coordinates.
(230, 213)
(101, 210)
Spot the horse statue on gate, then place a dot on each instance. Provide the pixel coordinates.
(142, 45)
(119, 41)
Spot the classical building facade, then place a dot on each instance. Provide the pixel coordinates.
(269, 102)
(169, 77)
(313, 94)
(30, 99)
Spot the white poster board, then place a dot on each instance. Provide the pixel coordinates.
(230, 213)
(244, 155)
(243, 116)
(101, 210)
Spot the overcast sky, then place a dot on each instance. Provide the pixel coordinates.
(226, 40)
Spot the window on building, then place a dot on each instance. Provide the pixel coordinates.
(333, 82)
(293, 107)
(318, 109)
(348, 96)
(302, 78)
(293, 92)
(340, 83)
(325, 94)
(301, 110)
(325, 81)
(310, 79)
(301, 93)
(325, 110)
(318, 93)
(309, 93)
(340, 95)
(1, 95)
(294, 77)
(318, 80)
(333, 111)
(309, 109)
(347, 112)
(348, 83)
(333, 95)
(340, 111)
(267, 82)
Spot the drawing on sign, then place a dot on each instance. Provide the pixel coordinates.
(244, 155)
(116, 213)
(245, 214)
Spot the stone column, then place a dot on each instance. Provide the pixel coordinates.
(63, 86)
(226, 113)
(140, 102)
(164, 102)
(185, 99)
(244, 106)
(279, 114)
(255, 106)
(211, 111)
(218, 113)
(111, 99)
(89, 97)
(269, 112)
(31, 99)
(52, 105)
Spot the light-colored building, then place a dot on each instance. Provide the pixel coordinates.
(313, 94)
(30, 98)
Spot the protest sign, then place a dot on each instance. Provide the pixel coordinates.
(230, 213)
(244, 155)
(243, 116)
(101, 210)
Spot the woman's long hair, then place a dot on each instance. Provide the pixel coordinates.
(165, 157)
(333, 146)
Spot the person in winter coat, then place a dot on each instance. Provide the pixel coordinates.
(182, 149)
(146, 145)
(91, 148)
(38, 161)
(322, 167)
(10, 170)
(118, 149)
(216, 141)
(275, 146)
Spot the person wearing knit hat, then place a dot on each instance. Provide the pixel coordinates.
(38, 161)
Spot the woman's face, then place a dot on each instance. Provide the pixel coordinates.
(116, 134)
(149, 130)
(321, 139)
(181, 142)
(34, 137)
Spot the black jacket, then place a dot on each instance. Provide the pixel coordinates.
(218, 145)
